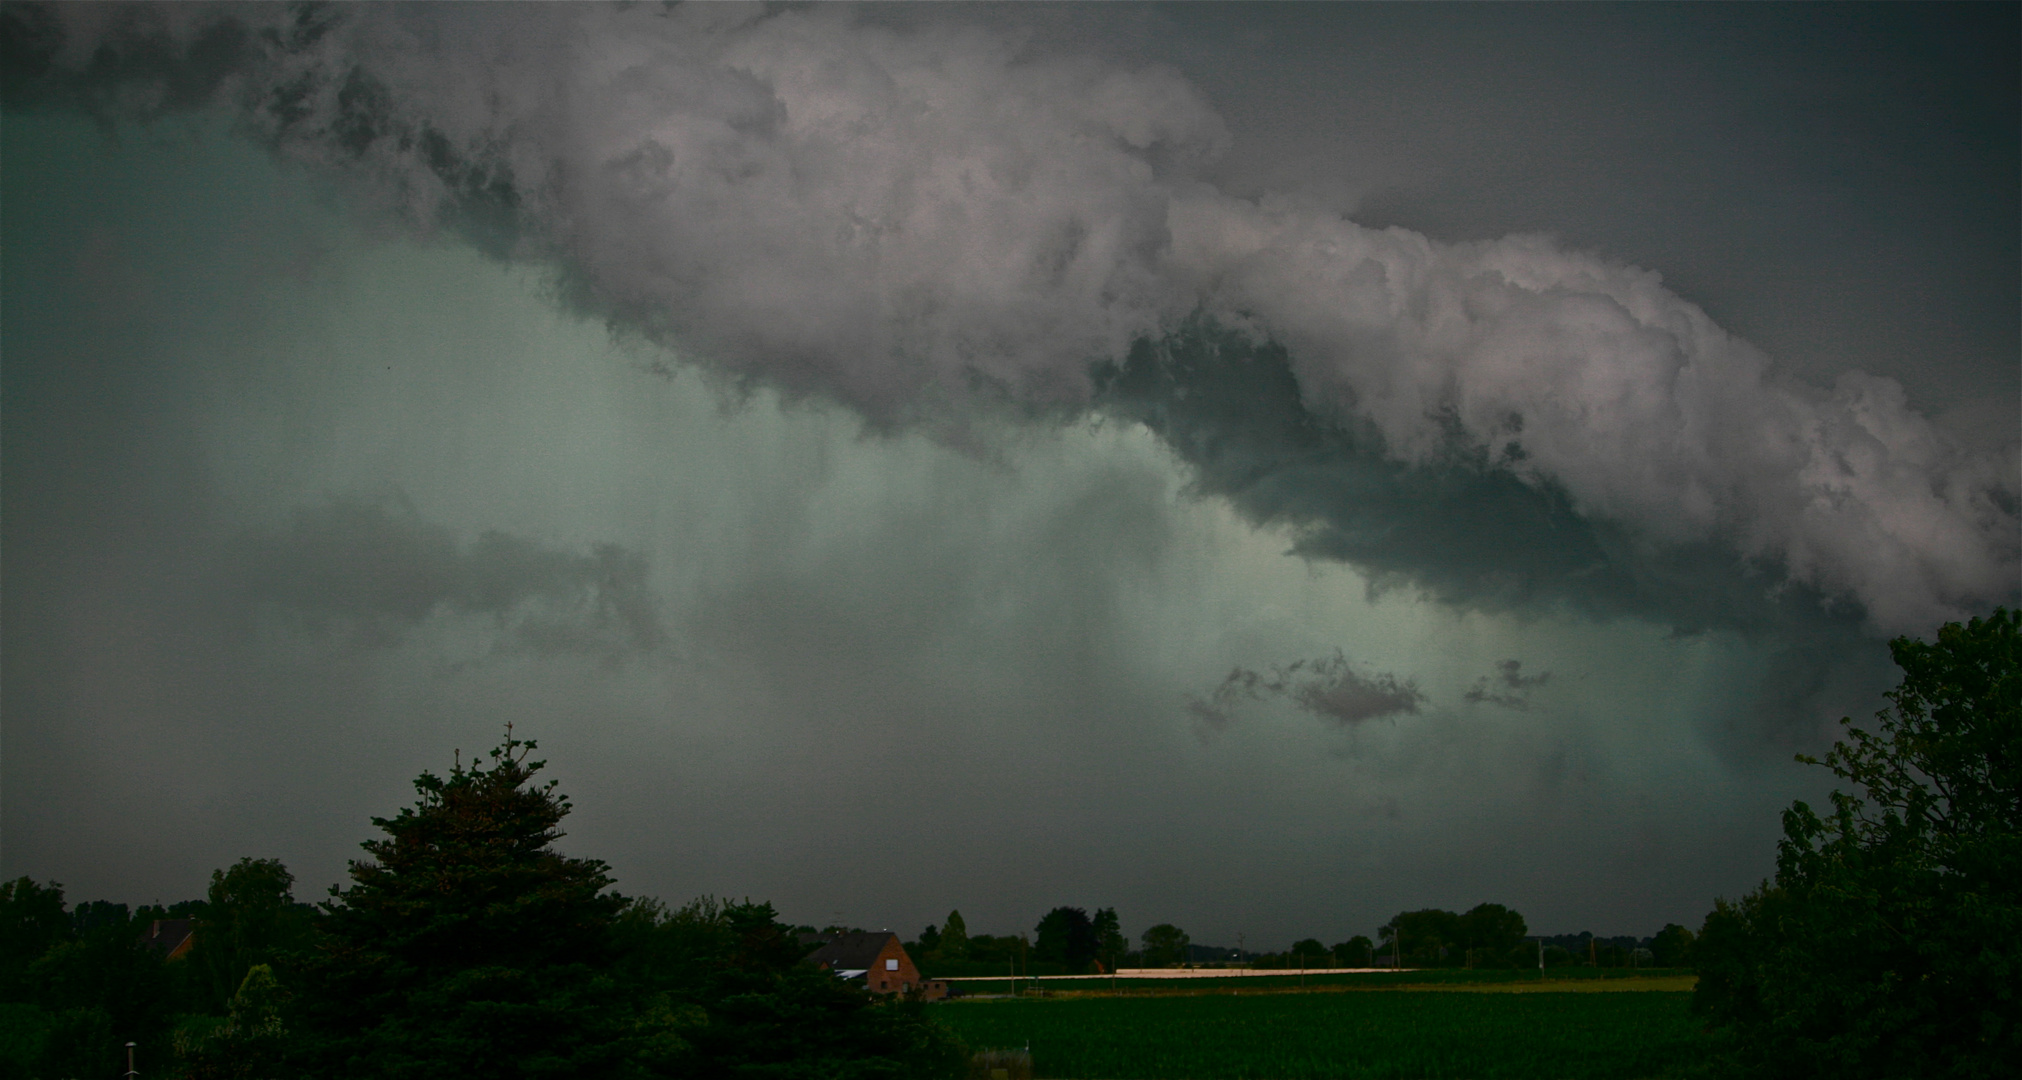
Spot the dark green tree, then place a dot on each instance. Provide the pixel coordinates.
(468, 946)
(1110, 944)
(1164, 945)
(1491, 933)
(101, 989)
(1890, 941)
(929, 945)
(249, 917)
(954, 938)
(1357, 951)
(249, 1042)
(1065, 935)
(1672, 947)
(1308, 952)
(1423, 938)
(32, 921)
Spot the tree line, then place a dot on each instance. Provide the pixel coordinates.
(464, 945)
(1068, 940)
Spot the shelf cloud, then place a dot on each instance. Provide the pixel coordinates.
(932, 223)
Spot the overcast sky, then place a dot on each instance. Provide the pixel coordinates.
(1260, 468)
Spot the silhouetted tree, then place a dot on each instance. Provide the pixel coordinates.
(468, 946)
(1164, 945)
(1890, 941)
(1110, 944)
(1357, 951)
(249, 916)
(1065, 935)
(954, 937)
(1672, 947)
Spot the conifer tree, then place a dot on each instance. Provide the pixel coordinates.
(467, 945)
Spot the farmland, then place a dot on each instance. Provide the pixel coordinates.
(1548, 1031)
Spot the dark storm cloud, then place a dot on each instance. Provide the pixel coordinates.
(1509, 687)
(1329, 687)
(928, 220)
(373, 573)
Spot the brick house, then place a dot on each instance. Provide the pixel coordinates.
(879, 959)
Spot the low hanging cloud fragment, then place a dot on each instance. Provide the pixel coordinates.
(1509, 687)
(1328, 687)
(375, 574)
(928, 222)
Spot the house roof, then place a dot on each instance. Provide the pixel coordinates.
(168, 936)
(853, 950)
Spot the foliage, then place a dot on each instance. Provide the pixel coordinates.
(1890, 941)
(1066, 936)
(249, 918)
(1164, 945)
(734, 999)
(1672, 947)
(468, 945)
(955, 938)
(928, 947)
(1110, 944)
(32, 921)
(248, 1043)
(1357, 951)
(101, 989)
(1391, 1033)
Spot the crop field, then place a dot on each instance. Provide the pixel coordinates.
(1388, 1034)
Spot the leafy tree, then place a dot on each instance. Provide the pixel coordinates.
(1308, 952)
(249, 916)
(1164, 945)
(954, 937)
(1110, 944)
(1357, 951)
(101, 989)
(929, 945)
(1423, 937)
(467, 945)
(1491, 933)
(32, 921)
(1672, 947)
(1890, 941)
(1066, 935)
(247, 1043)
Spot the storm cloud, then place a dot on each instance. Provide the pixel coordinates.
(855, 439)
(923, 221)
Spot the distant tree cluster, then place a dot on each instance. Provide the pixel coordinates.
(465, 945)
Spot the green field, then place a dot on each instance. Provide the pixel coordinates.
(1290, 1036)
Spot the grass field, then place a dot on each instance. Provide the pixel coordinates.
(1289, 1036)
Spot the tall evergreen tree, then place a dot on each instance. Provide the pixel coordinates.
(467, 945)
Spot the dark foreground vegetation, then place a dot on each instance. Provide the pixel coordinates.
(1889, 943)
(465, 946)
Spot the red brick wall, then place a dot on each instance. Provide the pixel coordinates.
(880, 981)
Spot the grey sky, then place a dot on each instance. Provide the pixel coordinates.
(776, 453)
